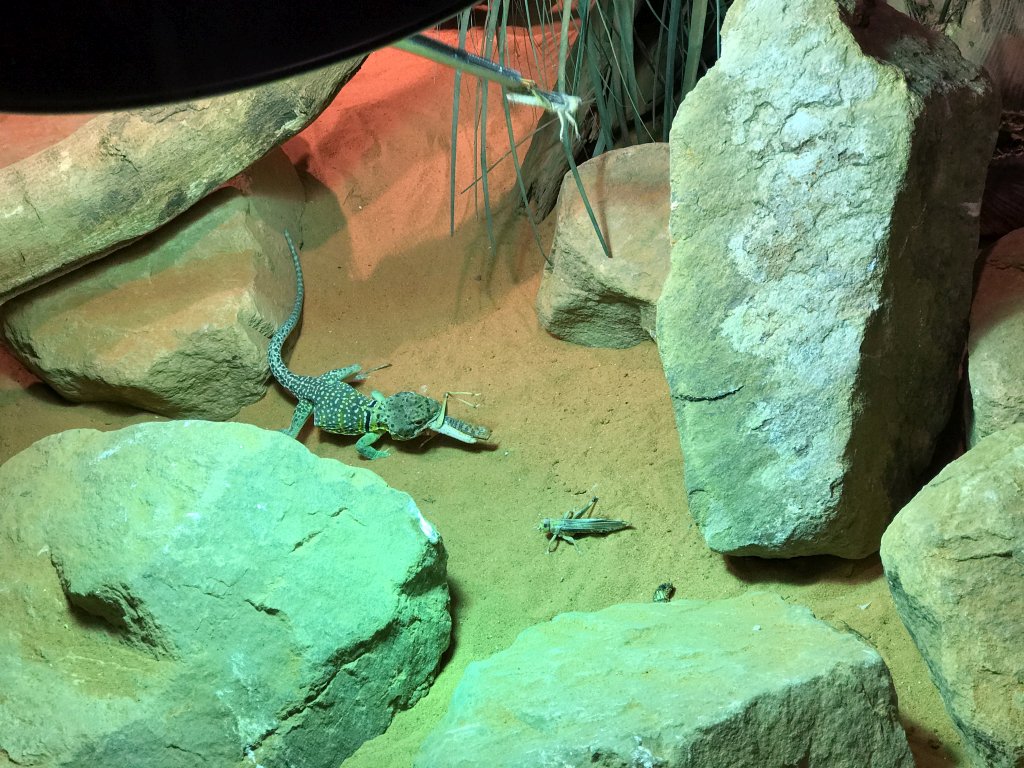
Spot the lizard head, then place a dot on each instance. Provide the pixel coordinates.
(410, 414)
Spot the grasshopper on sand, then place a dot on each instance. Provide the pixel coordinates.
(573, 523)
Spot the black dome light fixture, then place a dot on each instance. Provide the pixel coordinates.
(93, 55)
(119, 54)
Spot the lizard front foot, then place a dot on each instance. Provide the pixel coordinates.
(364, 445)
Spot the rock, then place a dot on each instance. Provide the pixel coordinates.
(995, 38)
(749, 681)
(995, 346)
(825, 182)
(954, 560)
(991, 34)
(192, 593)
(179, 322)
(123, 174)
(586, 297)
(1001, 208)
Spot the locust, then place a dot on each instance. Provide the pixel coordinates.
(573, 523)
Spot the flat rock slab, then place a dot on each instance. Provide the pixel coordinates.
(123, 174)
(586, 297)
(995, 346)
(954, 560)
(194, 593)
(825, 181)
(750, 681)
(179, 322)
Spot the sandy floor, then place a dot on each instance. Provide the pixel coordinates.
(386, 283)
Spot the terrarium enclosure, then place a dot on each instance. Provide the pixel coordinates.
(658, 401)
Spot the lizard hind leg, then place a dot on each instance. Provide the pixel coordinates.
(348, 373)
(357, 374)
(299, 418)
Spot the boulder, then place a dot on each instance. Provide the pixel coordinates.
(749, 681)
(954, 560)
(123, 174)
(995, 345)
(586, 297)
(193, 593)
(177, 323)
(825, 179)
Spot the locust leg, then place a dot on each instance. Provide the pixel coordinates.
(555, 529)
(575, 544)
(365, 447)
(589, 506)
(299, 417)
(564, 537)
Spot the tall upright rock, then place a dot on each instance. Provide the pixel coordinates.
(825, 179)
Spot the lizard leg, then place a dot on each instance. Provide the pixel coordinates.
(354, 372)
(302, 411)
(366, 374)
(344, 374)
(365, 447)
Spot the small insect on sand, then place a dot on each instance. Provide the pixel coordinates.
(573, 523)
(664, 592)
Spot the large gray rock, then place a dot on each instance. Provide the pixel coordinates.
(750, 681)
(586, 297)
(995, 346)
(123, 174)
(199, 594)
(954, 560)
(825, 183)
(177, 323)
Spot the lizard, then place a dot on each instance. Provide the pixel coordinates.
(339, 408)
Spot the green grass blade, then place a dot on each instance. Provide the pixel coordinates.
(463, 30)
(502, 59)
(612, 86)
(671, 60)
(563, 43)
(605, 136)
(487, 49)
(577, 64)
(718, 29)
(694, 44)
(656, 56)
(529, 32)
(583, 194)
(944, 13)
(519, 142)
(625, 13)
(589, 55)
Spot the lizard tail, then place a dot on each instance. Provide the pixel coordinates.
(277, 366)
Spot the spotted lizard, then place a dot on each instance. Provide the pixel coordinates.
(338, 407)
